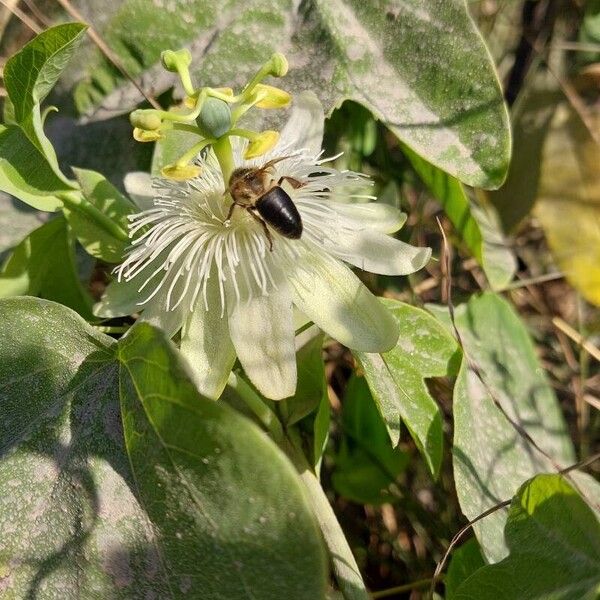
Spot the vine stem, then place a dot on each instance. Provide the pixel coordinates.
(75, 201)
(345, 568)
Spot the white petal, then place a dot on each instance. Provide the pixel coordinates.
(304, 129)
(337, 301)
(377, 252)
(138, 185)
(206, 344)
(372, 215)
(262, 332)
(156, 313)
(120, 299)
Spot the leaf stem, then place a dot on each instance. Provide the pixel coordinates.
(345, 568)
(76, 201)
(258, 406)
(407, 587)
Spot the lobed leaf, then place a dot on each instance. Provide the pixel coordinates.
(396, 379)
(232, 517)
(205, 507)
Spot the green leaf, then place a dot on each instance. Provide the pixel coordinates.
(475, 226)
(590, 32)
(43, 264)
(531, 116)
(450, 112)
(499, 261)
(26, 174)
(70, 525)
(232, 518)
(554, 541)
(17, 220)
(449, 191)
(464, 562)
(43, 60)
(396, 378)
(311, 384)
(321, 430)
(106, 198)
(31, 73)
(73, 523)
(491, 459)
(367, 464)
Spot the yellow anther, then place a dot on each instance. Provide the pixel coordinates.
(141, 135)
(271, 97)
(261, 144)
(180, 172)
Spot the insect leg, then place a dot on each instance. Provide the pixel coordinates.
(234, 204)
(264, 226)
(292, 181)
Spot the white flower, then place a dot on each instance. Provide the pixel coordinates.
(189, 268)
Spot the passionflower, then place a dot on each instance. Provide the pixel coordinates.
(190, 268)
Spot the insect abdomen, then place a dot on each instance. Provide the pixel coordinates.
(280, 212)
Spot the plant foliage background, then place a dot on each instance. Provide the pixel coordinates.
(119, 480)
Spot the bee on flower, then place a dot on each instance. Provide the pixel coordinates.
(238, 256)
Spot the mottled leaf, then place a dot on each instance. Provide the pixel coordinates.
(386, 56)
(396, 379)
(491, 459)
(70, 525)
(553, 538)
(232, 516)
(224, 516)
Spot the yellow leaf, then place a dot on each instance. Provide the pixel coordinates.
(568, 204)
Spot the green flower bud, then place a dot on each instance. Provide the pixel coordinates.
(173, 61)
(215, 118)
(148, 120)
(279, 65)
